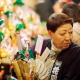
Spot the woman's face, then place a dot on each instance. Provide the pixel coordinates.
(62, 38)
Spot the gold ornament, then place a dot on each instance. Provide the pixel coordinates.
(3, 53)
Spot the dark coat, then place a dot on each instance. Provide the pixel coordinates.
(70, 58)
(45, 9)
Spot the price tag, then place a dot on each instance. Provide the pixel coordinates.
(39, 44)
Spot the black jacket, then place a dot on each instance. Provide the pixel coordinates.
(70, 58)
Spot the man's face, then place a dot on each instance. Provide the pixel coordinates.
(62, 38)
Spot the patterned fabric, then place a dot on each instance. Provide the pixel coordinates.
(52, 57)
(55, 70)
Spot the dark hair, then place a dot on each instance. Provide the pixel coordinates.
(56, 20)
(72, 10)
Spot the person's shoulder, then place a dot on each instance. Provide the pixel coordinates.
(73, 51)
(47, 40)
(46, 43)
(75, 46)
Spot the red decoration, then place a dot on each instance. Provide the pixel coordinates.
(69, 1)
(9, 77)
